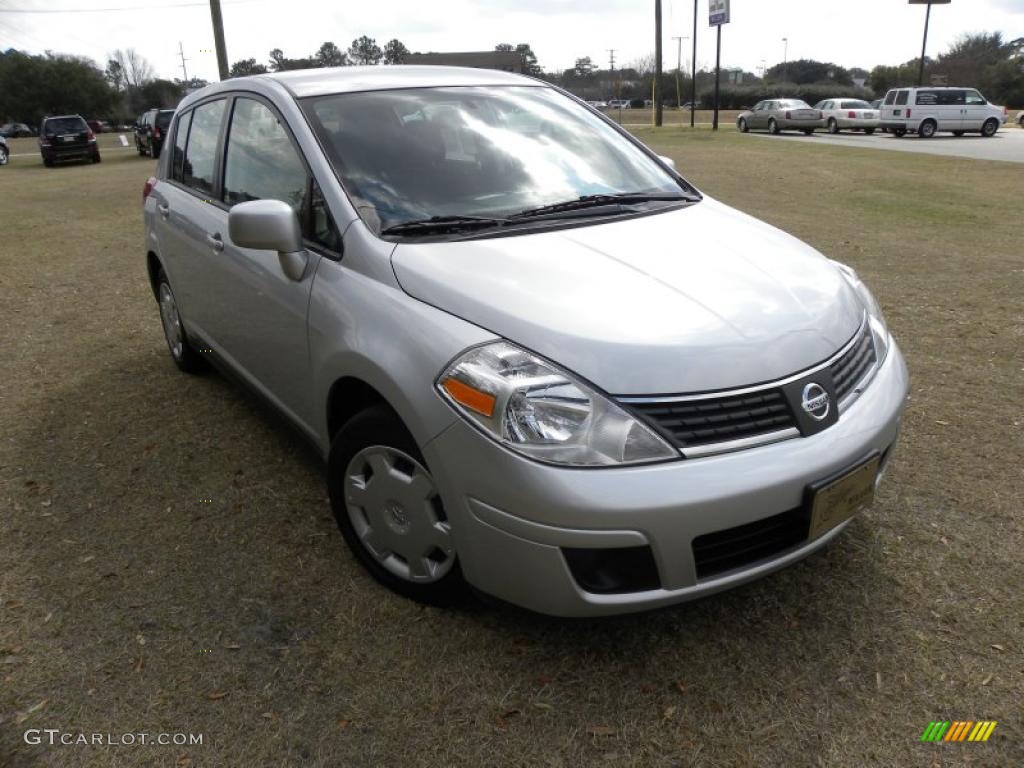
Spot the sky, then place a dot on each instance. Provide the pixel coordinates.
(851, 33)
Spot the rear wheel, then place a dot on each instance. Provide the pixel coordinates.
(742, 125)
(808, 131)
(388, 508)
(899, 133)
(988, 130)
(833, 125)
(869, 131)
(773, 127)
(4, 155)
(926, 129)
(184, 356)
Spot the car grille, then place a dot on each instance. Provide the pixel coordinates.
(718, 419)
(721, 551)
(855, 363)
(746, 415)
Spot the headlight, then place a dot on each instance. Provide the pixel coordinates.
(538, 410)
(879, 329)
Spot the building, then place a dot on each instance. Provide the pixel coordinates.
(506, 61)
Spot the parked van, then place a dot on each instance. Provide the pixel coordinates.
(925, 111)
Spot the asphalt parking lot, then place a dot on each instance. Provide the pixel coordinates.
(1006, 146)
(168, 561)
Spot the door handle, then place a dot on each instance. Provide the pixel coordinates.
(164, 210)
(216, 242)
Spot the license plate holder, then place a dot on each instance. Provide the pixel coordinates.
(836, 499)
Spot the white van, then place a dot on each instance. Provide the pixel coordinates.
(926, 110)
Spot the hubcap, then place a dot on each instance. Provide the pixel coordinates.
(171, 321)
(396, 512)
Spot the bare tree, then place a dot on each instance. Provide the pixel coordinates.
(135, 70)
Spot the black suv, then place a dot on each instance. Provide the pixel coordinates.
(151, 129)
(67, 137)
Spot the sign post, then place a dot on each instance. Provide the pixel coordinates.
(927, 19)
(718, 14)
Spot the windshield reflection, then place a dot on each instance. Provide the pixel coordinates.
(408, 155)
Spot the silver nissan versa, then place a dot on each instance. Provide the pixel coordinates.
(537, 361)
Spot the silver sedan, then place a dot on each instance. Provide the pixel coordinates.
(853, 114)
(777, 115)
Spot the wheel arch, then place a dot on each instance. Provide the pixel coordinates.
(153, 267)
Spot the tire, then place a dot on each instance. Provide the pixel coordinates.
(899, 133)
(399, 532)
(773, 127)
(47, 162)
(869, 131)
(182, 352)
(926, 130)
(742, 125)
(808, 131)
(989, 129)
(138, 147)
(4, 156)
(833, 125)
(96, 158)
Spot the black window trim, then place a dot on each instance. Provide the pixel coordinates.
(216, 168)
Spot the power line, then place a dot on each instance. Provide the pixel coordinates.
(122, 8)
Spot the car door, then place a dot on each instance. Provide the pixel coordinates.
(260, 312)
(976, 110)
(760, 116)
(951, 110)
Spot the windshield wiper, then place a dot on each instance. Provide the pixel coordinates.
(441, 224)
(595, 201)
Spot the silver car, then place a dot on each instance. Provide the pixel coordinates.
(535, 359)
(850, 114)
(777, 115)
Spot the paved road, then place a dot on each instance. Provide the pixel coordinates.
(1007, 145)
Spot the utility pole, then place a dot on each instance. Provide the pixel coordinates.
(218, 38)
(785, 59)
(657, 64)
(693, 69)
(679, 71)
(184, 72)
(718, 74)
(924, 45)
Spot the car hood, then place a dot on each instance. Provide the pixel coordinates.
(691, 300)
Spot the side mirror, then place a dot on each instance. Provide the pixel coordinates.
(270, 225)
(668, 161)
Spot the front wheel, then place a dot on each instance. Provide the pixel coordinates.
(773, 127)
(742, 125)
(182, 353)
(389, 510)
(988, 130)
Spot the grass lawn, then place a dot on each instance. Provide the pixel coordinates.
(128, 603)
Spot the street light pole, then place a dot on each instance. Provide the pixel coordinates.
(924, 45)
(679, 68)
(693, 69)
(785, 59)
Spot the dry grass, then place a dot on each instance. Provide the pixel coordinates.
(115, 576)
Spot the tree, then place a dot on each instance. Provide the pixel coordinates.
(280, 63)
(395, 52)
(530, 65)
(584, 68)
(247, 67)
(115, 74)
(807, 71)
(504, 48)
(136, 70)
(330, 55)
(161, 93)
(34, 86)
(364, 50)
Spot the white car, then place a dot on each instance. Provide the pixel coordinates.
(619, 104)
(926, 111)
(853, 114)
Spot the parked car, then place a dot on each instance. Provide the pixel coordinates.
(852, 114)
(5, 152)
(515, 375)
(926, 111)
(15, 130)
(620, 104)
(67, 137)
(777, 115)
(151, 130)
(98, 126)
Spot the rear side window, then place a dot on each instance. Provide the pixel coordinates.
(260, 162)
(180, 137)
(901, 98)
(201, 151)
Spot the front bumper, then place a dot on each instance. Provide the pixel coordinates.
(512, 517)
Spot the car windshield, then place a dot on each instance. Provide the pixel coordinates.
(855, 104)
(65, 125)
(414, 154)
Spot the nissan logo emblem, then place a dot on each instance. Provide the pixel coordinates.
(815, 401)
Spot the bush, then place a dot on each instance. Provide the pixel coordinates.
(744, 97)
